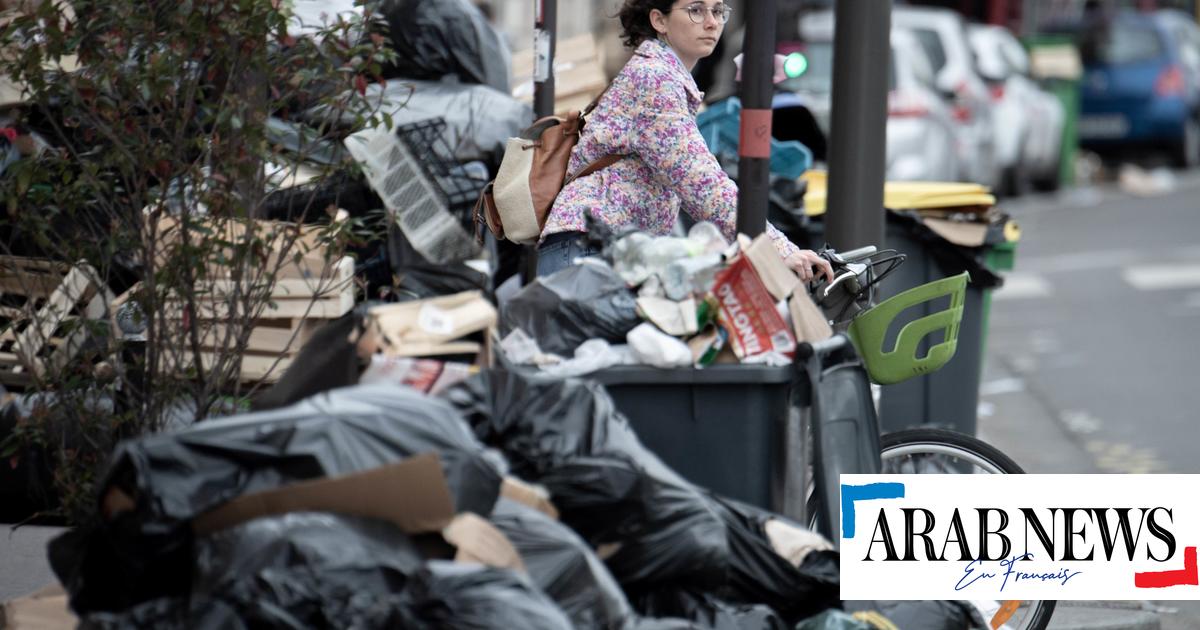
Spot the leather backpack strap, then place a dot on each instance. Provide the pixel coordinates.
(603, 162)
(596, 165)
(596, 101)
(485, 215)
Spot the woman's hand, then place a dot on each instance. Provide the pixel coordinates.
(803, 263)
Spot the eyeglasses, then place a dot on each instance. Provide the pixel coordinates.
(697, 12)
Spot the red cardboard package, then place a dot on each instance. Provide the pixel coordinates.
(748, 313)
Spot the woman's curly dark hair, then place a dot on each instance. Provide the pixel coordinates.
(635, 20)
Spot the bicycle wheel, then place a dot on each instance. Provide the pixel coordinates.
(938, 451)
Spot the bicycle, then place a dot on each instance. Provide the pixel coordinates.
(833, 384)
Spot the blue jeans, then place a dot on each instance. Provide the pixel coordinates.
(559, 251)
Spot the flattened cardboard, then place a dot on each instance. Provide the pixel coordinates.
(46, 609)
(479, 541)
(674, 318)
(521, 492)
(774, 273)
(808, 322)
(412, 494)
(959, 232)
(426, 327)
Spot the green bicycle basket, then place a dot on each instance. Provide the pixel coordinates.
(868, 331)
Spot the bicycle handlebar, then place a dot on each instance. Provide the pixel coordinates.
(852, 255)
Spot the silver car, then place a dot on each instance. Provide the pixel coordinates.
(1028, 121)
(920, 129)
(943, 35)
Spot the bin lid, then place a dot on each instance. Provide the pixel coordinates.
(906, 195)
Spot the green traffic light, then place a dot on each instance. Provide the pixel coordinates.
(795, 64)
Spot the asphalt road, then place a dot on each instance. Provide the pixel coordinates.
(1101, 318)
(1093, 348)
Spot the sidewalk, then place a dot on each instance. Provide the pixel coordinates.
(1015, 419)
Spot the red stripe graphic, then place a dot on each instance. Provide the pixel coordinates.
(1162, 579)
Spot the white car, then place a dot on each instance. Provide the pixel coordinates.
(1028, 121)
(943, 35)
(921, 142)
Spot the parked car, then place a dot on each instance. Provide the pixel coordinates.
(1141, 83)
(943, 35)
(1027, 121)
(920, 129)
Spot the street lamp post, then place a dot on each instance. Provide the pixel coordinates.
(757, 90)
(857, 139)
(545, 34)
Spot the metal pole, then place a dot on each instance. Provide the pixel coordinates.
(545, 35)
(754, 147)
(858, 124)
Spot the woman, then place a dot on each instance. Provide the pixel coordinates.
(649, 116)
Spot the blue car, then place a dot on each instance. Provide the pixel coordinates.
(1141, 84)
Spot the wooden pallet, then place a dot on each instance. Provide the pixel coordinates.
(43, 303)
(298, 307)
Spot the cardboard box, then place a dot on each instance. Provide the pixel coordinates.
(412, 494)
(46, 609)
(808, 322)
(579, 75)
(779, 280)
(747, 311)
(431, 327)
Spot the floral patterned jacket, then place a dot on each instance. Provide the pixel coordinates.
(649, 114)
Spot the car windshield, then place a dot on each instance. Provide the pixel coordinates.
(1123, 43)
(819, 76)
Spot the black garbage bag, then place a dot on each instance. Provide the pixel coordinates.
(760, 575)
(565, 309)
(436, 38)
(707, 611)
(299, 598)
(314, 541)
(568, 436)
(328, 360)
(144, 553)
(415, 278)
(564, 567)
(926, 615)
(837, 620)
(168, 613)
(479, 119)
(659, 531)
(472, 597)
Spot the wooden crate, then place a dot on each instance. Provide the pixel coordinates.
(295, 312)
(43, 303)
(578, 73)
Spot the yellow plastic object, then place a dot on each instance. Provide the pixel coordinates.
(900, 363)
(904, 195)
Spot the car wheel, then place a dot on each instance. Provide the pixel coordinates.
(1188, 154)
(1016, 179)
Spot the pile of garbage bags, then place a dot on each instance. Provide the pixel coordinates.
(510, 501)
(663, 301)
